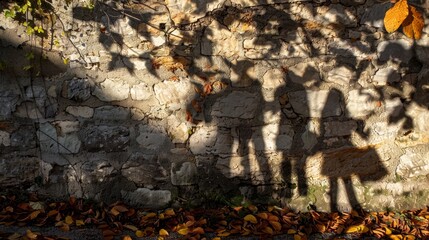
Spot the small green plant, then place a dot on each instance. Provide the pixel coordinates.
(30, 13)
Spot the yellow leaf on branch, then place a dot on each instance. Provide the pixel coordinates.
(413, 24)
(396, 15)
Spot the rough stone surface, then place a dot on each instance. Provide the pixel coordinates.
(8, 102)
(183, 174)
(237, 104)
(141, 92)
(80, 111)
(361, 103)
(105, 138)
(413, 164)
(322, 103)
(112, 90)
(146, 198)
(4, 138)
(78, 89)
(17, 170)
(111, 113)
(51, 141)
(398, 50)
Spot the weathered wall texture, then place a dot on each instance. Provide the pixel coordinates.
(306, 102)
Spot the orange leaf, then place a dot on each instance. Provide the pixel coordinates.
(34, 214)
(263, 215)
(30, 234)
(189, 116)
(9, 209)
(69, 220)
(127, 237)
(114, 212)
(396, 15)
(52, 213)
(80, 223)
(121, 208)
(131, 227)
(250, 218)
(198, 230)
(207, 88)
(413, 24)
(169, 212)
(268, 230)
(183, 231)
(276, 225)
(139, 233)
(65, 228)
(163, 232)
(357, 229)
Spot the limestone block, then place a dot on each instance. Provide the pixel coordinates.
(274, 78)
(272, 137)
(183, 174)
(50, 141)
(413, 163)
(80, 111)
(174, 92)
(143, 170)
(218, 40)
(243, 73)
(105, 138)
(36, 94)
(8, 101)
(341, 75)
(153, 137)
(16, 170)
(206, 140)
(96, 170)
(396, 50)
(339, 129)
(316, 103)
(420, 116)
(4, 138)
(349, 48)
(141, 91)
(146, 198)
(305, 73)
(178, 130)
(237, 104)
(361, 103)
(374, 15)
(66, 127)
(78, 89)
(386, 75)
(337, 13)
(112, 113)
(24, 137)
(112, 90)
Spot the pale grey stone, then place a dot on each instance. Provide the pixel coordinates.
(305, 73)
(78, 89)
(141, 91)
(361, 102)
(339, 129)
(8, 101)
(143, 170)
(310, 136)
(311, 103)
(396, 50)
(337, 13)
(272, 137)
(4, 138)
(237, 104)
(347, 48)
(111, 113)
(206, 140)
(153, 137)
(146, 198)
(274, 78)
(183, 174)
(420, 116)
(105, 138)
(36, 94)
(413, 164)
(341, 76)
(386, 75)
(136, 63)
(24, 137)
(66, 127)
(50, 141)
(374, 15)
(243, 73)
(112, 90)
(29, 110)
(174, 92)
(177, 129)
(218, 40)
(80, 111)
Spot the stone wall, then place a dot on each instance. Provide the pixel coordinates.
(310, 103)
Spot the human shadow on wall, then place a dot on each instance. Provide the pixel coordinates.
(347, 161)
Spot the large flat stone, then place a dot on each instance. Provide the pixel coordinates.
(146, 198)
(237, 104)
(312, 103)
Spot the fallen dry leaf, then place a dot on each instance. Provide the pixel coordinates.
(396, 15)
